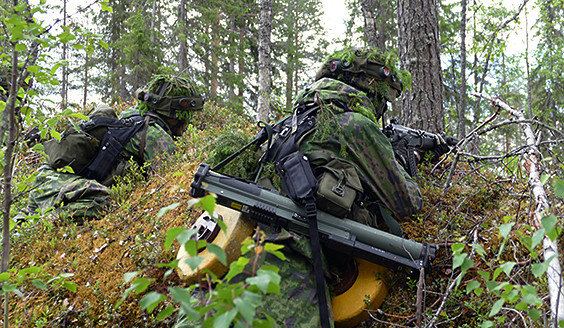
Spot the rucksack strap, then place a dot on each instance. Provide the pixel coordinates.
(301, 185)
(110, 148)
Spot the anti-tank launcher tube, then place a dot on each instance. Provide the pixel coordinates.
(268, 207)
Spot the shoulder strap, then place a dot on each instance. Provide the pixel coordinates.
(111, 147)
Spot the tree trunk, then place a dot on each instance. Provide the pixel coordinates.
(85, 78)
(64, 80)
(265, 31)
(418, 26)
(462, 101)
(369, 23)
(182, 51)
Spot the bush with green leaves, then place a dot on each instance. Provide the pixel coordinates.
(228, 301)
(497, 284)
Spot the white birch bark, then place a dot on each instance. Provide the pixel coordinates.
(533, 165)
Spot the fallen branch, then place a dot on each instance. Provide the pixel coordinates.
(532, 163)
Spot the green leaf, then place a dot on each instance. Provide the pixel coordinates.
(20, 47)
(165, 313)
(4, 276)
(478, 291)
(507, 267)
(538, 236)
(171, 235)
(207, 203)
(218, 252)
(559, 187)
(486, 324)
(225, 319)
(496, 307)
(236, 267)
(472, 284)
(165, 209)
(8, 287)
(534, 314)
(458, 260)
(194, 262)
(538, 269)
(247, 309)
(467, 264)
(479, 249)
(70, 286)
(130, 275)
(150, 301)
(186, 236)
(457, 248)
(55, 134)
(484, 274)
(548, 223)
(181, 295)
(39, 284)
(505, 229)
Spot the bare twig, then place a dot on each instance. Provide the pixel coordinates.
(532, 164)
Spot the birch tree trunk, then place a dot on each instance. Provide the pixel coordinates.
(418, 29)
(532, 163)
(265, 31)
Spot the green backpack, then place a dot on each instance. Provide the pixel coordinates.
(91, 151)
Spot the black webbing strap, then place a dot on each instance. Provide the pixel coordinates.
(311, 210)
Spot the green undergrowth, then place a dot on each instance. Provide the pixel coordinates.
(479, 227)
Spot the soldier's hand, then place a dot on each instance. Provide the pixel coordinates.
(440, 149)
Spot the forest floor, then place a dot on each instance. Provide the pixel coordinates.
(96, 255)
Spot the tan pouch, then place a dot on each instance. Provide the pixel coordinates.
(339, 184)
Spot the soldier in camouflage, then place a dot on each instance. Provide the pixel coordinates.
(86, 198)
(351, 95)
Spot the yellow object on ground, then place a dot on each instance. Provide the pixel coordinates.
(238, 228)
(348, 307)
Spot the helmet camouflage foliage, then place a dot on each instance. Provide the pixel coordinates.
(172, 97)
(369, 70)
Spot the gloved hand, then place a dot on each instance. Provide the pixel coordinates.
(403, 156)
(440, 149)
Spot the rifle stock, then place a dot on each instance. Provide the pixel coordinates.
(270, 208)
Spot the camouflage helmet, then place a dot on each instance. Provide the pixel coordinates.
(368, 70)
(171, 97)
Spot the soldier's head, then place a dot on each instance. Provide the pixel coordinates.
(368, 70)
(173, 98)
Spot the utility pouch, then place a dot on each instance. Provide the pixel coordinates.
(339, 184)
(64, 152)
(297, 177)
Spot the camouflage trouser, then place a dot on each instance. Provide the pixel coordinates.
(67, 194)
(296, 306)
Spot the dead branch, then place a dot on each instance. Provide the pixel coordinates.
(532, 163)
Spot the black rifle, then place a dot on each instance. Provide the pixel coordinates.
(268, 207)
(416, 140)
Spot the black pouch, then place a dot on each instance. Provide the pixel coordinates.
(339, 184)
(297, 177)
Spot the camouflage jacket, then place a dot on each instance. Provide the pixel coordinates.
(80, 197)
(159, 140)
(344, 132)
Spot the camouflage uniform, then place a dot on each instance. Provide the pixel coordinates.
(81, 197)
(350, 136)
(168, 102)
(355, 138)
